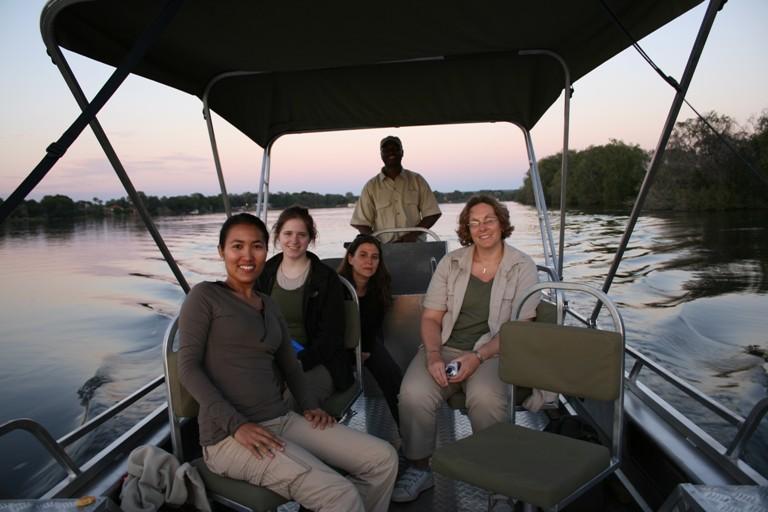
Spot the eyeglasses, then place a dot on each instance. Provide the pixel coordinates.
(488, 222)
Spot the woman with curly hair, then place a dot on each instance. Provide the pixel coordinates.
(469, 297)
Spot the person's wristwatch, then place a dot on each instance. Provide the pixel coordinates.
(479, 356)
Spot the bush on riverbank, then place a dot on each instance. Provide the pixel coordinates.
(699, 171)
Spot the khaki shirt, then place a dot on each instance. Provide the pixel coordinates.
(516, 273)
(399, 203)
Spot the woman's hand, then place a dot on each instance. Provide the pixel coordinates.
(364, 356)
(469, 365)
(319, 418)
(436, 368)
(259, 441)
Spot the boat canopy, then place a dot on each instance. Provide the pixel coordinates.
(317, 66)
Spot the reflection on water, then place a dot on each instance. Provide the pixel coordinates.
(84, 305)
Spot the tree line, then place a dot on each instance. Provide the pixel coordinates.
(699, 171)
(63, 207)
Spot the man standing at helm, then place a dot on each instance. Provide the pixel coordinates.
(395, 198)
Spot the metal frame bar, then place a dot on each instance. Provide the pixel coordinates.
(77, 475)
(358, 347)
(266, 177)
(642, 361)
(216, 159)
(212, 135)
(147, 427)
(653, 166)
(40, 433)
(695, 436)
(744, 434)
(176, 441)
(110, 413)
(61, 63)
(567, 91)
(541, 205)
(400, 230)
(58, 148)
(746, 427)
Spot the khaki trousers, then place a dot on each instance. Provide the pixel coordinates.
(421, 397)
(300, 473)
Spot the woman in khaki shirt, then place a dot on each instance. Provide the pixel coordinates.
(469, 297)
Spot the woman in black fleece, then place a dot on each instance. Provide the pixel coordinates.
(311, 298)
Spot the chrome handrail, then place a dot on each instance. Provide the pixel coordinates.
(744, 434)
(110, 413)
(400, 230)
(57, 448)
(643, 361)
(40, 433)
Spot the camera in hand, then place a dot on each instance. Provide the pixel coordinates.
(452, 368)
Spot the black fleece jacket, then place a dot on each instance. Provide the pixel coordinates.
(323, 313)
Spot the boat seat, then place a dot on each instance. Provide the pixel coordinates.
(237, 494)
(411, 265)
(340, 402)
(545, 312)
(541, 468)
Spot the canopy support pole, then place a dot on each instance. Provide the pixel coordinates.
(266, 168)
(216, 159)
(653, 167)
(545, 228)
(125, 68)
(58, 148)
(101, 137)
(567, 91)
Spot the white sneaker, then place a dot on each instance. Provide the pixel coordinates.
(500, 503)
(412, 483)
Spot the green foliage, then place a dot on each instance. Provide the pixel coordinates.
(458, 196)
(699, 171)
(58, 207)
(605, 176)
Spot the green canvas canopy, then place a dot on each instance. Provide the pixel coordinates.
(353, 64)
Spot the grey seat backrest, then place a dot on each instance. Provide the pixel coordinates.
(411, 265)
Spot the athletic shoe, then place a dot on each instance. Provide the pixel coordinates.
(413, 482)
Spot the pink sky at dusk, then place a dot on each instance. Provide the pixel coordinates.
(161, 137)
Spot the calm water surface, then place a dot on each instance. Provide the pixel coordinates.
(83, 308)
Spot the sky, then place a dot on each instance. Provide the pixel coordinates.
(160, 134)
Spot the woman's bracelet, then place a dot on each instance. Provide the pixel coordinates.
(479, 356)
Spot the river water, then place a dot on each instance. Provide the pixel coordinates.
(84, 305)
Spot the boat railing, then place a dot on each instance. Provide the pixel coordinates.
(401, 230)
(57, 448)
(727, 458)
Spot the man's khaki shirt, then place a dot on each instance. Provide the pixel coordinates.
(399, 203)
